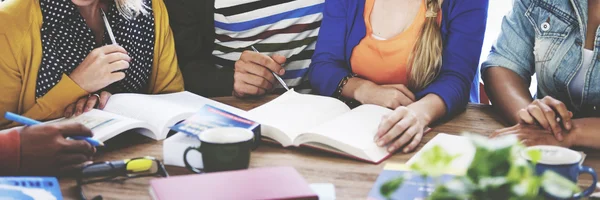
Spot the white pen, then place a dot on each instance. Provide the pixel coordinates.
(108, 29)
(274, 74)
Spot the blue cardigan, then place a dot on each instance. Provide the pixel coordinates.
(463, 27)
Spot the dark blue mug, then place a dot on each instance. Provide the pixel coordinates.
(564, 162)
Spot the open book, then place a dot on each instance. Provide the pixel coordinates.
(150, 115)
(324, 123)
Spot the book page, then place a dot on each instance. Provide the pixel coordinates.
(454, 145)
(162, 110)
(293, 113)
(106, 125)
(352, 132)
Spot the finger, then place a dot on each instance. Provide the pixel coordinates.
(560, 108)
(252, 68)
(415, 142)
(79, 106)
(113, 48)
(78, 147)
(387, 122)
(104, 96)
(69, 110)
(73, 129)
(73, 169)
(398, 130)
(403, 140)
(265, 61)
(117, 56)
(402, 88)
(245, 89)
(551, 118)
(118, 65)
(91, 103)
(253, 80)
(525, 116)
(116, 76)
(538, 115)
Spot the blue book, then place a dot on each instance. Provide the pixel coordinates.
(413, 187)
(212, 117)
(29, 188)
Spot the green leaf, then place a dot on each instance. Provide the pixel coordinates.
(535, 155)
(557, 185)
(433, 162)
(389, 187)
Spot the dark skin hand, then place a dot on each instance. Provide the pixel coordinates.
(531, 135)
(46, 151)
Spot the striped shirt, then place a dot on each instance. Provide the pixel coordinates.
(284, 27)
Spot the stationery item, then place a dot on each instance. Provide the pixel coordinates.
(274, 74)
(30, 122)
(413, 185)
(223, 149)
(30, 188)
(324, 123)
(108, 28)
(208, 117)
(119, 171)
(325, 191)
(257, 183)
(150, 115)
(563, 161)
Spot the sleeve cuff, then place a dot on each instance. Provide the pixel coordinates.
(65, 92)
(453, 99)
(10, 152)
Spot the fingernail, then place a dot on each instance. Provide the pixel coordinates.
(568, 125)
(88, 162)
(380, 143)
(406, 150)
(391, 149)
(282, 71)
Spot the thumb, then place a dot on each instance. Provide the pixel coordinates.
(279, 59)
(74, 129)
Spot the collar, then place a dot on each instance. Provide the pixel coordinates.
(581, 10)
(57, 12)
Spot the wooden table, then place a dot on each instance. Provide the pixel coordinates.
(352, 179)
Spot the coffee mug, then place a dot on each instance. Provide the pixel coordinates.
(223, 149)
(563, 161)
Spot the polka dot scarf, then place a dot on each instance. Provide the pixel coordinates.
(66, 41)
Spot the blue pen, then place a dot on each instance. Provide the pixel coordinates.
(30, 122)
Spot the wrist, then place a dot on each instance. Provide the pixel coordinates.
(423, 115)
(573, 136)
(362, 90)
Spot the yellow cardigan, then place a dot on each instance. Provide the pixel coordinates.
(21, 55)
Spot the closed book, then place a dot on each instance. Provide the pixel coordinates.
(257, 183)
(29, 188)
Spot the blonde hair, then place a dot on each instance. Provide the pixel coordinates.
(130, 9)
(427, 54)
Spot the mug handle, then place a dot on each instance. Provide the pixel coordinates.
(187, 164)
(589, 190)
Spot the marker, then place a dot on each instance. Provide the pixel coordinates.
(30, 122)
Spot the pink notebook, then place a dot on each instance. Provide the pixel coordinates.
(257, 183)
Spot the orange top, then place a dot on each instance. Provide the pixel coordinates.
(386, 61)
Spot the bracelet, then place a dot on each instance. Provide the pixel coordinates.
(340, 87)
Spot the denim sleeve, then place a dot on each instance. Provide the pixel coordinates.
(462, 48)
(514, 48)
(328, 66)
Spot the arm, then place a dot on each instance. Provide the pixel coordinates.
(510, 65)
(167, 75)
(10, 144)
(584, 133)
(462, 48)
(507, 91)
(47, 107)
(328, 66)
(192, 22)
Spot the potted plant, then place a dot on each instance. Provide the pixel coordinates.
(497, 171)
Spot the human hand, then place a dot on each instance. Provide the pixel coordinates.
(402, 127)
(85, 104)
(531, 135)
(253, 76)
(548, 113)
(100, 68)
(389, 96)
(46, 151)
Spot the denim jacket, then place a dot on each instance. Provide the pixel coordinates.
(546, 38)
